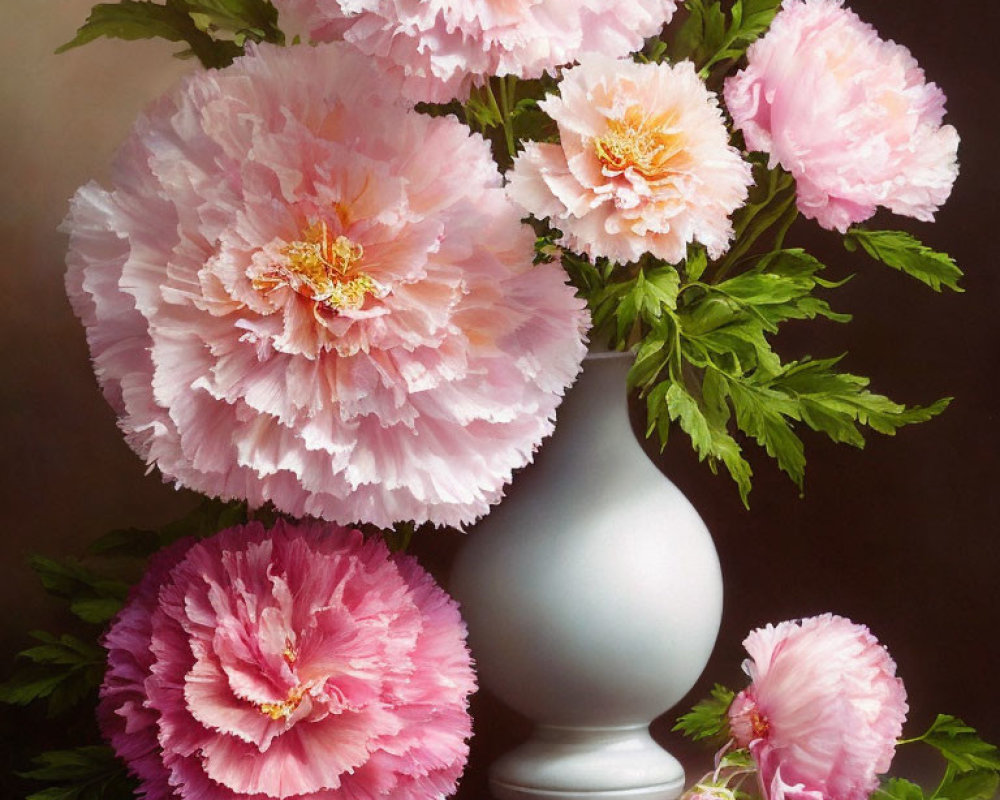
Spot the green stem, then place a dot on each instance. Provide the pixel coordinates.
(949, 774)
(506, 103)
(742, 246)
(488, 86)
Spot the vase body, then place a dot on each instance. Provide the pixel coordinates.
(593, 597)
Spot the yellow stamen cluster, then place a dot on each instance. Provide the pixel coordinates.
(324, 270)
(283, 709)
(644, 143)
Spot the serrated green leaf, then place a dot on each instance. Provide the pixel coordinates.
(481, 109)
(257, 16)
(62, 671)
(980, 784)
(709, 36)
(64, 765)
(651, 359)
(710, 440)
(26, 686)
(709, 718)
(69, 579)
(86, 773)
(763, 414)
(696, 262)
(898, 789)
(57, 793)
(901, 251)
(654, 51)
(135, 542)
(960, 745)
(738, 759)
(96, 610)
(660, 290)
(143, 19)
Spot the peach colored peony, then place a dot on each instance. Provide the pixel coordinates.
(300, 292)
(849, 115)
(443, 47)
(823, 712)
(644, 163)
(301, 663)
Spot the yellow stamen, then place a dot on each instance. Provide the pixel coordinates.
(283, 709)
(289, 653)
(324, 270)
(644, 143)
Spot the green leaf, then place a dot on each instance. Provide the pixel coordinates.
(481, 110)
(71, 580)
(96, 610)
(903, 252)
(133, 542)
(654, 51)
(709, 718)
(898, 789)
(763, 414)
(64, 765)
(62, 670)
(738, 759)
(709, 36)
(86, 773)
(979, 784)
(142, 19)
(696, 262)
(709, 438)
(960, 745)
(257, 19)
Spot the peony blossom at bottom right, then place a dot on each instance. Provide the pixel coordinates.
(822, 719)
(823, 711)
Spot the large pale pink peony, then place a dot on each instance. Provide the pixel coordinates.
(848, 114)
(301, 663)
(643, 165)
(444, 47)
(300, 291)
(823, 712)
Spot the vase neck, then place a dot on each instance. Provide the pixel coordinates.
(593, 421)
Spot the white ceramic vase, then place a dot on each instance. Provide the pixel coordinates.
(593, 597)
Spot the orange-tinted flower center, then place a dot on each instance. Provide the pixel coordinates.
(758, 724)
(323, 269)
(641, 142)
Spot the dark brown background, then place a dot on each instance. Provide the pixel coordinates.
(902, 536)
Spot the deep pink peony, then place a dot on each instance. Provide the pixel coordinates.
(643, 165)
(443, 47)
(299, 291)
(823, 712)
(848, 114)
(303, 662)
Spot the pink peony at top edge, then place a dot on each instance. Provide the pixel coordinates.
(300, 291)
(443, 48)
(300, 663)
(823, 711)
(644, 163)
(848, 114)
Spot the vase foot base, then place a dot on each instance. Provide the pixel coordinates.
(663, 791)
(619, 762)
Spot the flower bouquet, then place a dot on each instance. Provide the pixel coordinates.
(339, 284)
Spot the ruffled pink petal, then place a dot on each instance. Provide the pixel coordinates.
(849, 115)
